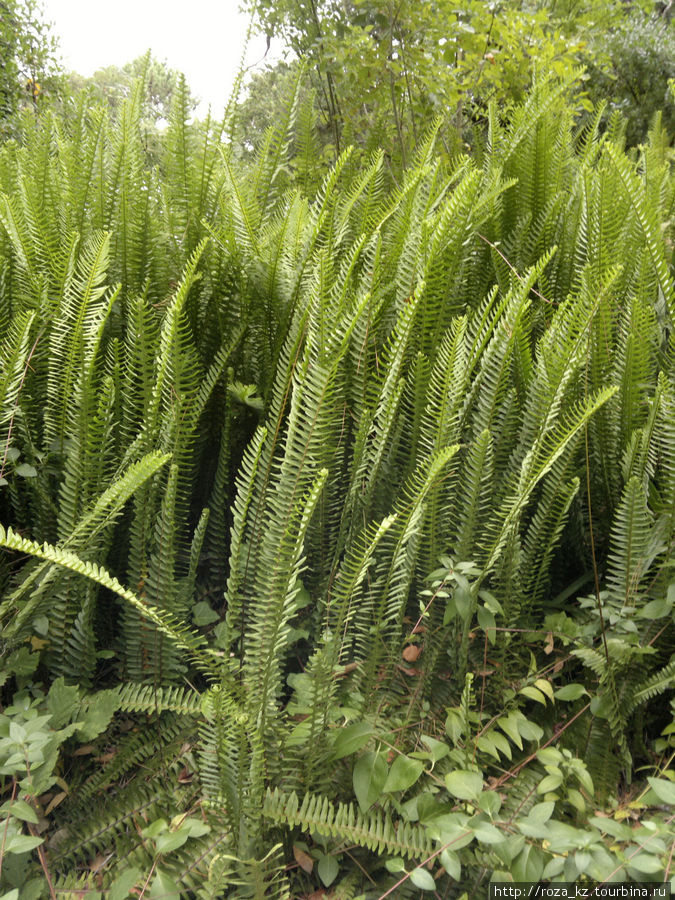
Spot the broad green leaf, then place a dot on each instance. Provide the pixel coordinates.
(554, 867)
(664, 790)
(155, 828)
(370, 774)
(549, 756)
(533, 693)
(509, 725)
(196, 827)
(486, 744)
(529, 730)
(487, 622)
(422, 879)
(17, 733)
(464, 785)
(41, 625)
(570, 692)
(395, 865)
(170, 840)
(549, 783)
(351, 738)
(619, 830)
(451, 864)
(96, 712)
(122, 886)
(583, 776)
(529, 864)
(437, 749)
(21, 810)
(647, 863)
(403, 774)
(582, 860)
(490, 802)
(542, 812)
(22, 662)
(328, 869)
(500, 743)
(21, 843)
(62, 702)
(487, 833)
(656, 609)
(164, 887)
(203, 614)
(454, 726)
(545, 687)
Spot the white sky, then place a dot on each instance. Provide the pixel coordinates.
(202, 38)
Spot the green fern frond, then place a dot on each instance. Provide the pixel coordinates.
(189, 641)
(375, 831)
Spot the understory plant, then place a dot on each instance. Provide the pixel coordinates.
(337, 532)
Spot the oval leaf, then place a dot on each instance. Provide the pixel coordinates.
(533, 693)
(549, 783)
(451, 864)
(664, 790)
(328, 869)
(370, 774)
(403, 774)
(395, 865)
(304, 860)
(422, 879)
(464, 785)
(351, 738)
(570, 692)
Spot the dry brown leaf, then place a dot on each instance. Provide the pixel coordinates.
(107, 757)
(85, 750)
(548, 646)
(54, 802)
(411, 652)
(304, 860)
(350, 667)
(97, 864)
(411, 672)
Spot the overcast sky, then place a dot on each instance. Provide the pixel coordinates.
(202, 38)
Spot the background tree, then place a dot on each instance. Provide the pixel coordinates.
(111, 85)
(384, 69)
(630, 65)
(29, 66)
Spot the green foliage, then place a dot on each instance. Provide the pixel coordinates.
(303, 487)
(630, 66)
(112, 85)
(30, 69)
(382, 72)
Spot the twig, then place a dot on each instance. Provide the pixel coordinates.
(513, 772)
(43, 863)
(515, 271)
(423, 863)
(147, 880)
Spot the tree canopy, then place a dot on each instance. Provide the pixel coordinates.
(29, 65)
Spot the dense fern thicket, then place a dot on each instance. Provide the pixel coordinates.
(337, 519)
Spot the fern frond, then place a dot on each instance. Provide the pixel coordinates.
(189, 641)
(374, 831)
